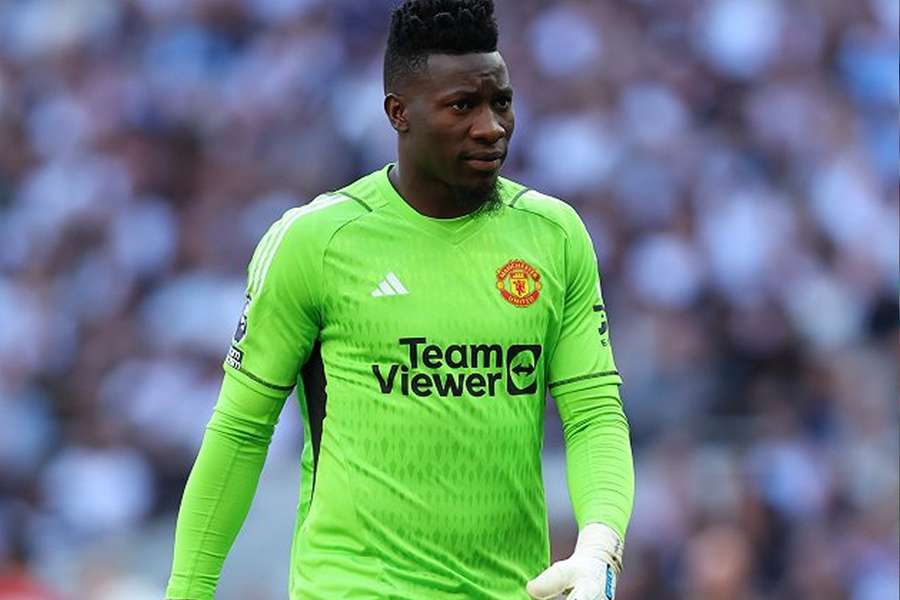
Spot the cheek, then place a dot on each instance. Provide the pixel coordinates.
(444, 138)
(510, 124)
(436, 150)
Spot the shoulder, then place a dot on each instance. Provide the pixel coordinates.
(535, 204)
(296, 241)
(309, 227)
(312, 224)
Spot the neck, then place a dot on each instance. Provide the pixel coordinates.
(429, 197)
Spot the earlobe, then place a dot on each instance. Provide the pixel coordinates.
(395, 108)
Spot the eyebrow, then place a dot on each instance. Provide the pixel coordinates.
(459, 91)
(471, 91)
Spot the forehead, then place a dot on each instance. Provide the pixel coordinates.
(469, 71)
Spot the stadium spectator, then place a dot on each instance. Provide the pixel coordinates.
(736, 163)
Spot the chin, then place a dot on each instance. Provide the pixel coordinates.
(479, 180)
(482, 194)
(484, 183)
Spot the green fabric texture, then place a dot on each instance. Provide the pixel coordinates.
(599, 467)
(220, 487)
(439, 338)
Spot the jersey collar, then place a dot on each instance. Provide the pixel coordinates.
(454, 230)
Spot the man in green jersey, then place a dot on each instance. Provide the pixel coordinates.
(422, 312)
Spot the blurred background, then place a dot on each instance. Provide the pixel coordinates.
(736, 163)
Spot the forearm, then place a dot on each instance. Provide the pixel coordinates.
(599, 465)
(601, 484)
(220, 488)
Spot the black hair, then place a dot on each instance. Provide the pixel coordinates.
(423, 27)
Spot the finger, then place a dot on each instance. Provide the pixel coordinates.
(586, 589)
(551, 582)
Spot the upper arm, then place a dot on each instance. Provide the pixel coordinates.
(582, 356)
(281, 318)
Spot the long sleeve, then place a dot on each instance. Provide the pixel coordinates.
(221, 487)
(599, 466)
(275, 335)
(584, 381)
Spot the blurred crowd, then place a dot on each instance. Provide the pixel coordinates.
(736, 162)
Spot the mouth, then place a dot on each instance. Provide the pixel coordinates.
(487, 162)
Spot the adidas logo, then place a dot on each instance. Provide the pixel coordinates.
(389, 286)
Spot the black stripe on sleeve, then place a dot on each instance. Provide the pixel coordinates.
(280, 388)
(582, 378)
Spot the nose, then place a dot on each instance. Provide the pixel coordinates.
(487, 127)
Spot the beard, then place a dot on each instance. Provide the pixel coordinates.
(478, 200)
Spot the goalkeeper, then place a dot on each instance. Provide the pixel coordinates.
(422, 313)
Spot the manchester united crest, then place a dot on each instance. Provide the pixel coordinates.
(519, 283)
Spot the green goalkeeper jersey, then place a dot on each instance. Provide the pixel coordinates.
(438, 339)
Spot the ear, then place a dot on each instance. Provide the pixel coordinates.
(395, 109)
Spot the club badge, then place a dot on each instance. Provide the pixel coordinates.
(519, 283)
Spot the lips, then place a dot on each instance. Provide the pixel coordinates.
(485, 161)
(485, 156)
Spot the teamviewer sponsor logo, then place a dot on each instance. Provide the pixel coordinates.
(521, 369)
(460, 369)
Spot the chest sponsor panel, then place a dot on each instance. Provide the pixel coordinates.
(422, 325)
(460, 369)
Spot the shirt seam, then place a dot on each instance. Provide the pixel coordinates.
(560, 226)
(515, 199)
(357, 199)
(325, 280)
(565, 267)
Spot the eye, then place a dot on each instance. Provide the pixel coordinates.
(503, 103)
(461, 105)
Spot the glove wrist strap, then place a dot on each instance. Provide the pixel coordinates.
(600, 541)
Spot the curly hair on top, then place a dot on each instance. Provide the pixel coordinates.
(423, 27)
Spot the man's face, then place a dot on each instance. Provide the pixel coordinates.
(460, 118)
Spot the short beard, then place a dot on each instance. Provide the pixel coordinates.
(478, 200)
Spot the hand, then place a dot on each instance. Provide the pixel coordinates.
(590, 573)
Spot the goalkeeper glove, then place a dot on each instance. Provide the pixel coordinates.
(590, 573)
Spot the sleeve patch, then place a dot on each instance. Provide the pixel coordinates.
(235, 358)
(241, 330)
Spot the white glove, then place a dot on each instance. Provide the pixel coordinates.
(590, 572)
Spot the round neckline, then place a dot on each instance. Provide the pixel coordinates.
(452, 229)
